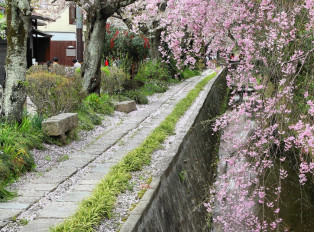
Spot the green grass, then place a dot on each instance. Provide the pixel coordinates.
(16, 139)
(188, 73)
(101, 203)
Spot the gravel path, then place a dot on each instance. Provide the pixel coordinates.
(66, 175)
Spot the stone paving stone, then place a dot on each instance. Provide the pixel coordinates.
(8, 214)
(48, 179)
(13, 205)
(94, 176)
(32, 193)
(62, 172)
(83, 187)
(102, 168)
(58, 210)
(38, 187)
(40, 225)
(29, 200)
(73, 196)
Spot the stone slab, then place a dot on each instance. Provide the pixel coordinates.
(94, 176)
(38, 187)
(73, 196)
(58, 210)
(26, 200)
(59, 124)
(40, 225)
(8, 214)
(13, 205)
(83, 188)
(32, 193)
(125, 106)
(102, 168)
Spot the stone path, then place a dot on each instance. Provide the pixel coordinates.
(49, 199)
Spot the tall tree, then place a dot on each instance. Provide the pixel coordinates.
(18, 14)
(97, 14)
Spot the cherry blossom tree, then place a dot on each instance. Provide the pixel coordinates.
(273, 41)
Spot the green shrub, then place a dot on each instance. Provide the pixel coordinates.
(188, 73)
(91, 107)
(53, 94)
(112, 80)
(154, 69)
(137, 95)
(15, 142)
(101, 105)
(152, 87)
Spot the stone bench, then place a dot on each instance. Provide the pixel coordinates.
(125, 106)
(61, 126)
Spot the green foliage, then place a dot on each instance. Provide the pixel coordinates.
(154, 69)
(137, 96)
(91, 107)
(132, 45)
(3, 24)
(154, 86)
(99, 104)
(112, 80)
(102, 200)
(15, 142)
(53, 94)
(188, 73)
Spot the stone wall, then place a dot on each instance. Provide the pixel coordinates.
(174, 203)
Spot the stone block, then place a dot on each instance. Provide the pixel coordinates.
(126, 106)
(61, 125)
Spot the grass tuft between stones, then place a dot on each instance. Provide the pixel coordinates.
(102, 200)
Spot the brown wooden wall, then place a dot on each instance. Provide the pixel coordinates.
(58, 49)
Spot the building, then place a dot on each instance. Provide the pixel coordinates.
(38, 44)
(64, 40)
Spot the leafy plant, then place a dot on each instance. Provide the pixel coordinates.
(53, 94)
(112, 80)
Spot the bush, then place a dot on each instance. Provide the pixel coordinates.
(93, 104)
(188, 73)
(101, 105)
(153, 70)
(54, 94)
(154, 87)
(15, 142)
(112, 80)
(137, 95)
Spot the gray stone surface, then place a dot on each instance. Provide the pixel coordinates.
(126, 106)
(41, 225)
(61, 124)
(173, 204)
(58, 210)
(73, 196)
(8, 214)
(13, 205)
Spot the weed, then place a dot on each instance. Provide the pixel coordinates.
(182, 176)
(48, 158)
(63, 158)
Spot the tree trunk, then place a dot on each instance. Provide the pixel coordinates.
(95, 37)
(155, 43)
(18, 17)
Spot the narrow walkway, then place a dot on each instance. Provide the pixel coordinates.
(49, 199)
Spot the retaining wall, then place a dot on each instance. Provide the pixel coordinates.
(174, 201)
